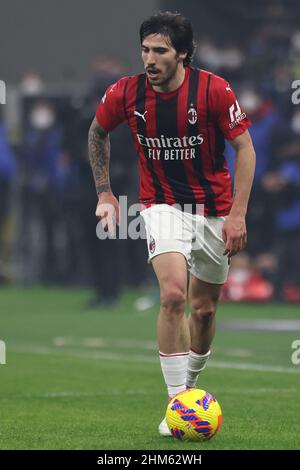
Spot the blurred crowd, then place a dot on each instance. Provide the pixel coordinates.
(261, 71)
(48, 200)
(48, 197)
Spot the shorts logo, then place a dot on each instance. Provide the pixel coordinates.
(192, 114)
(152, 245)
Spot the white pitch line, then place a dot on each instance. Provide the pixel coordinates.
(141, 392)
(99, 342)
(255, 367)
(125, 343)
(75, 394)
(142, 359)
(262, 324)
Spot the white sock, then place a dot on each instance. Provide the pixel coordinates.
(174, 367)
(196, 363)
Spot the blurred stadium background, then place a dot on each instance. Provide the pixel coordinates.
(61, 286)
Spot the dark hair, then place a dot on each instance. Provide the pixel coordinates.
(176, 27)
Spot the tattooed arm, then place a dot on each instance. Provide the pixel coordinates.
(99, 155)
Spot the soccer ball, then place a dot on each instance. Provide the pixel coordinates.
(194, 415)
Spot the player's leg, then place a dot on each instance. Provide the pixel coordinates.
(168, 247)
(208, 272)
(169, 244)
(172, 326)
(203, 298)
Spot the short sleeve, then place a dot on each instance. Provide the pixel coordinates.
(110, 111)
(231, 119)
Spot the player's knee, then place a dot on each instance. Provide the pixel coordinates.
(173, 300)
(204, 311)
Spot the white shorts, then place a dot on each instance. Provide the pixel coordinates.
(197, 237)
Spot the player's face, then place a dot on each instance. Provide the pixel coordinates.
(161, 61)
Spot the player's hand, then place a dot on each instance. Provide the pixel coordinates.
(108, 211)
(234, 234)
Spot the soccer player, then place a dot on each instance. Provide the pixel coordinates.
(179, 117)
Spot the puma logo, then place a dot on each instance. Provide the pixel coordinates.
(136, 113)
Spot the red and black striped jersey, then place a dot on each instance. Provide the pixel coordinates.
(179, 137)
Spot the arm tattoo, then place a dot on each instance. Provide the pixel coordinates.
(99, 153)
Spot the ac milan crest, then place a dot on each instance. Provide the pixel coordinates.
(152, 245)
(192, 114)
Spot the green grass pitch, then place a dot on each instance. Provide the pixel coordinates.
(78, 379)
